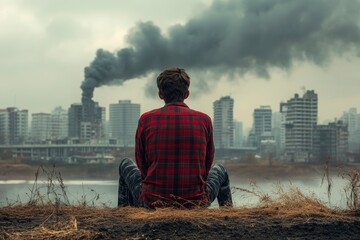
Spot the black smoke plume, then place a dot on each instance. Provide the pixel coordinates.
(235, 36)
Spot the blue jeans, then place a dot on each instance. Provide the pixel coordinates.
(218, 185)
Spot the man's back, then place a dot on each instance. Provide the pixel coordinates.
(174, 152)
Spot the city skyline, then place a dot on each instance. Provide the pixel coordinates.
(211, 114)
(295, 127)
(47, 46)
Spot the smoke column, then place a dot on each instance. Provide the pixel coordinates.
(234, 36)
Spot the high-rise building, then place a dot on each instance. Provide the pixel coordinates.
(262, 125)
(224, 122)
(86, 131)
(352, 119)
(301, 115)
(238, 134)
(86, 123)
(98, 125)
(123, 120)
(40, 127)
(330, 142)
(46, 126)
(59, 123)
(13, 126)
(278, 130)
(74, 120)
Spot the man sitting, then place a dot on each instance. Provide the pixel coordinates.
(174, 152)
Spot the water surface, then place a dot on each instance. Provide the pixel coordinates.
(104, 193)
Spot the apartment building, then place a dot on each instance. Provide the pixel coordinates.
(13, 126)
(59, 123)
(262, 118)
(223, 122)
(301, 115)
(330, 142)
(40, 127)
(352, 119)
(123, 120)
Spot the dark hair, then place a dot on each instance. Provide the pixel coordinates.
(173, 84)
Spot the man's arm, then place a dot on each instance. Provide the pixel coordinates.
(210, 150)
(140, 151)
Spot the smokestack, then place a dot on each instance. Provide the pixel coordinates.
(234, 36)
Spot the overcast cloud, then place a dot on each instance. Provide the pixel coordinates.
(259, 52)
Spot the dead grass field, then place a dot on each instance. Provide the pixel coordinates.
(290, 216)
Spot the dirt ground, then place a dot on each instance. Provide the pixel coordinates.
(25, 222)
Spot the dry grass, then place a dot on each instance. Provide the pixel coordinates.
(59, 230)
(62, 222)
(289, 208)
(352, 190)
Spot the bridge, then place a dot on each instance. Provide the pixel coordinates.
(63, 152)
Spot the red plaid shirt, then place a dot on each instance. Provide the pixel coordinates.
(174, 152)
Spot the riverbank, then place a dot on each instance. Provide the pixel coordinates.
(24, 171)
(296, 218)
(286, 215)
(261, 170)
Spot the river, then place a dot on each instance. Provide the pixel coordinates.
(104, 193)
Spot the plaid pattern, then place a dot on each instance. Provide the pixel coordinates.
(218, 187)
(174, 153)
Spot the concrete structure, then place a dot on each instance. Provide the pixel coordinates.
(13, 126)
(86, 130)
(330, 143)
(244, 154)
(224, 122)
(59, 123)
(123, 120)
(40, 127)
(251, 139)
(301, 114)
(352, 119)
(278, 131)
(74, 120)
(47, 127)
(86, 123)
(65, 152)
(262, 125)
(238, 134)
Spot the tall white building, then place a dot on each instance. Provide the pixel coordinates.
(40, 127)
(262, 125)
(59, 123)
(301, 114)
(351, 119)
(278, 130)
(238, 134)
(224, 122)
(13, 126)
(46, 126)
(123, 120)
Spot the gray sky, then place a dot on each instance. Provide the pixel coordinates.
(258, 52)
